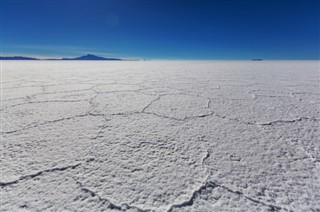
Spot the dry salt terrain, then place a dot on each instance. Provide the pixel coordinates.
(160, 136)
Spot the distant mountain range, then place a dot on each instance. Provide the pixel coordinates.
(85, 57)
(17, 58)
(90, 57)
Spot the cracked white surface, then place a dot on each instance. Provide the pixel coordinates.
(160, 136)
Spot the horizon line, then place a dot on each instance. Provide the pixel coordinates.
(43, 57)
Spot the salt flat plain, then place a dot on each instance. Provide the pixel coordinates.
(160, 136)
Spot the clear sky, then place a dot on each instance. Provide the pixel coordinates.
(167, 29)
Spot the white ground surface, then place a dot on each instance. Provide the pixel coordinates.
(160, 136)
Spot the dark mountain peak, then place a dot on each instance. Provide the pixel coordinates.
(85, 57)
(90, 57)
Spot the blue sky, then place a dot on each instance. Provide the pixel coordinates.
(167, 29)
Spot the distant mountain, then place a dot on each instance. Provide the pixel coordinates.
(85, 57)
(90, 57)
(17, 58)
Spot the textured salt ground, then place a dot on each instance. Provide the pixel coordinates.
(160, 136)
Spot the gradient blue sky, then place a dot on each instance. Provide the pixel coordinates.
(168, 29)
